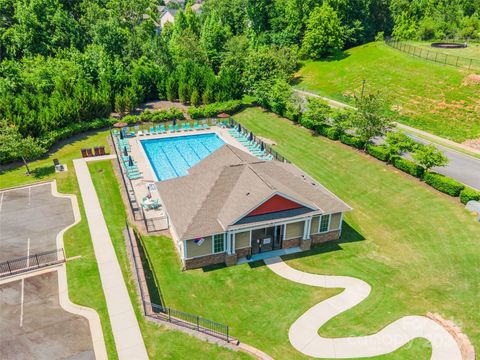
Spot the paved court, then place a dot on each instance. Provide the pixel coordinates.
(34, 326)
(30, 219)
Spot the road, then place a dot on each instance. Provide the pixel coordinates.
(461, 167)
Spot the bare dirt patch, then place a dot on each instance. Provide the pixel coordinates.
(473, 143)
(471, 80)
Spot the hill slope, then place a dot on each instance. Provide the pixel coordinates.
(431, 97)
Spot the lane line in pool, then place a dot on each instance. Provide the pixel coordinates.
(198, 156)
(169, 162)
(179, 151)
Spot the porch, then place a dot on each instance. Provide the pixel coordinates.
(269, 254)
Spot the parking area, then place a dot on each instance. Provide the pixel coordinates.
(30, 219)
(33, 324)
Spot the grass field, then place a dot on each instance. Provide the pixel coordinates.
(160, 342)
(471, 51)
(84, 283)
(257, 305)
(428, 96)
(420, 249)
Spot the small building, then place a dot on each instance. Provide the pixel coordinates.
(232, 205)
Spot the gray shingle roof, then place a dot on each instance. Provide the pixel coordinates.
(228, 184)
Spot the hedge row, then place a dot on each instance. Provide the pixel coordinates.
(155, 116)
(468, 194)
(407, 166)
(379, 152)
(72, 129)
(352, 141)
(214, 109)
(443, 183)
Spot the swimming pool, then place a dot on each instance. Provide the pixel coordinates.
(173, 156)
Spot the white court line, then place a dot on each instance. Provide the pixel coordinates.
(1, 201)
(22, 296)
(29, 196)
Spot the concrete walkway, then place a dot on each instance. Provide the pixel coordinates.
(125, 328)
(304, 335)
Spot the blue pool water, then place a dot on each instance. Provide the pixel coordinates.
(173, 156)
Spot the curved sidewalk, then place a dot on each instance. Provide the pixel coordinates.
(303, 333)
(126, 331)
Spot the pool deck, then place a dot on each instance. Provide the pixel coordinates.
(138, 154)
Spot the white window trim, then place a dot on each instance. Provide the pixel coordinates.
(213, 243)
(320, 223)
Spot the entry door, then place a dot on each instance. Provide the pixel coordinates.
(278, 236)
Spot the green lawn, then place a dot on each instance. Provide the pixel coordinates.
(420, 250)
(160, 342)
(83, 278)
(428, 96)
(471, 51)
(84, 284)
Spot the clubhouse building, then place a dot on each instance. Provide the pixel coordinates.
(231, 206)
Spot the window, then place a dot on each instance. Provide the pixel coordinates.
(324, 222)
(218, 243)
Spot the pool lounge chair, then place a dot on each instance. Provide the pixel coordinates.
(146, 132)
(139, 133)
(205, 126)
(162, 129)
(171, 129)
(152, 131)
(158, 130)
(196, 126)
(177, 129)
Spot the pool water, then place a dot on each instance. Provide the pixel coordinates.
(173, 156)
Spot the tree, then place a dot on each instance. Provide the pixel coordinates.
(429, 156)
(317, 112)
(13, 146)
(324, 33)
(369, 120)
(195, 98)
(399, 143)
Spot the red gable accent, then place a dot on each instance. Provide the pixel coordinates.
(274, 204)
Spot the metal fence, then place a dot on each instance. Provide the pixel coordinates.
(435, 56)
(191, 321)
(31, 262)
(268, 148)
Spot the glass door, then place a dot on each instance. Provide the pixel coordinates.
(278, 236)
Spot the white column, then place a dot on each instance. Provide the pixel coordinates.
(306, 228)
(233, 243)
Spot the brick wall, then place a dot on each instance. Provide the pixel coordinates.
(241, 253)
(291, 243)
(204, 261)
(329, 236)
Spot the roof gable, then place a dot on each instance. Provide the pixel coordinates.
(275, 203)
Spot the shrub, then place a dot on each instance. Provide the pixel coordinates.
(468, 194)
(443, 183)
(379, 152)
(352, 141)
(46, 141)
(321, 129)
(408, 166)
(307, 123)
(211, 110)
(332, 133)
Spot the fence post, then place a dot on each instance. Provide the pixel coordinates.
(169, 317)
(227, 333)
(9, 268)
(198, 323)
(36, 257)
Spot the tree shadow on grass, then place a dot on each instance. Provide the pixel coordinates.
(43, 171)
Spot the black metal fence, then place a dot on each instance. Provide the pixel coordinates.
(191, 321)
(31, 262)
(435, 56)
(268, 148)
